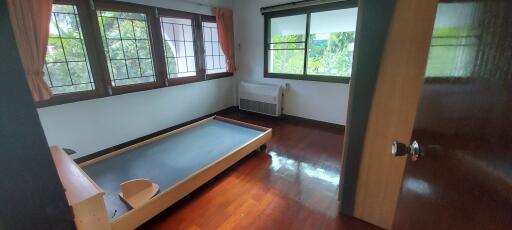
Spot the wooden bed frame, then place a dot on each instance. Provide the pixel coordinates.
(86, 197)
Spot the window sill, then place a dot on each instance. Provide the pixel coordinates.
(192, 79)
(218, 75)
(117, 90)
(89, 95)
(319, 78)
(60, 99)
(183, 80)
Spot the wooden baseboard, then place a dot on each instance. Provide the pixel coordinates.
(286, 117)
(147, 137)
(313, 122)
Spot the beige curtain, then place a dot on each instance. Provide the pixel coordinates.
(224, 18)
(30, 20)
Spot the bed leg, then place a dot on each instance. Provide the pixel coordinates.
(263, 147)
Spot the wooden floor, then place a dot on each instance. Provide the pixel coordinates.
(291, 186)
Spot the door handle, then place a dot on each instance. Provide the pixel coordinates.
(400, 149)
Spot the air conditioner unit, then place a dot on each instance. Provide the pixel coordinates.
(260, 98)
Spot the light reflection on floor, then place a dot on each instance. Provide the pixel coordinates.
(311, 183)
(280, 162)
(417, 185)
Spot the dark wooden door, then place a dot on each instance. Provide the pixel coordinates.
(463, 124)
(31, 194)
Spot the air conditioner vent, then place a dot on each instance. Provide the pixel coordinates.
(257, 106)
(260, 98)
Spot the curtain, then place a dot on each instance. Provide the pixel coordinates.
(30, 20)
(224, 18)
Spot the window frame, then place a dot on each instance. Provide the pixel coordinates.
(308, 10)
(196, 32)
(205, 18)
(92, 38)
(152, 33)
(95, 66)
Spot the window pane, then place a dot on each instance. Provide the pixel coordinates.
(146, 66)
(67, 25)
(130, 49)
(454, 41)
(110, 28)
(58, 74)
(67, 68)
(331, 42)
(127, 47)
(144, 50)
(287, 43)
(212, 49)
(133, 68)
(178, 39)
(119, 69)
(79, 73)
(126, 30)
(74, 49)
(287, 61)
(54, 52)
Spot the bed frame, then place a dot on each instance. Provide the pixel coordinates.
(86, 197)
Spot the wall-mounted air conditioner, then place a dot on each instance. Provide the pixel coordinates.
(260, 98)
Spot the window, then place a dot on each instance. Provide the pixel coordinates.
(178, 38)
(127, 47)
(287, 44)
(103, 48)
(331, 44)
(308, 44)
(454, 41)
(67, 68)
(215, 60)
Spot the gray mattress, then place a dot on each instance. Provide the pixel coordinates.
(169, 160)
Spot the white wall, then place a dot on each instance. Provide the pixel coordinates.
(93, 125)
(314, 100)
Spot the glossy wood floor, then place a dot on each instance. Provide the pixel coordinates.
(293, 185)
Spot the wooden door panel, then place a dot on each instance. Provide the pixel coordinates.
(463, 123)
(465, 179)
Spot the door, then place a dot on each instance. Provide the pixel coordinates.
(463, 124)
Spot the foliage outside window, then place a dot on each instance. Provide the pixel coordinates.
(67, 68)
(312, 45)
(126, 41)
(454, 41)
